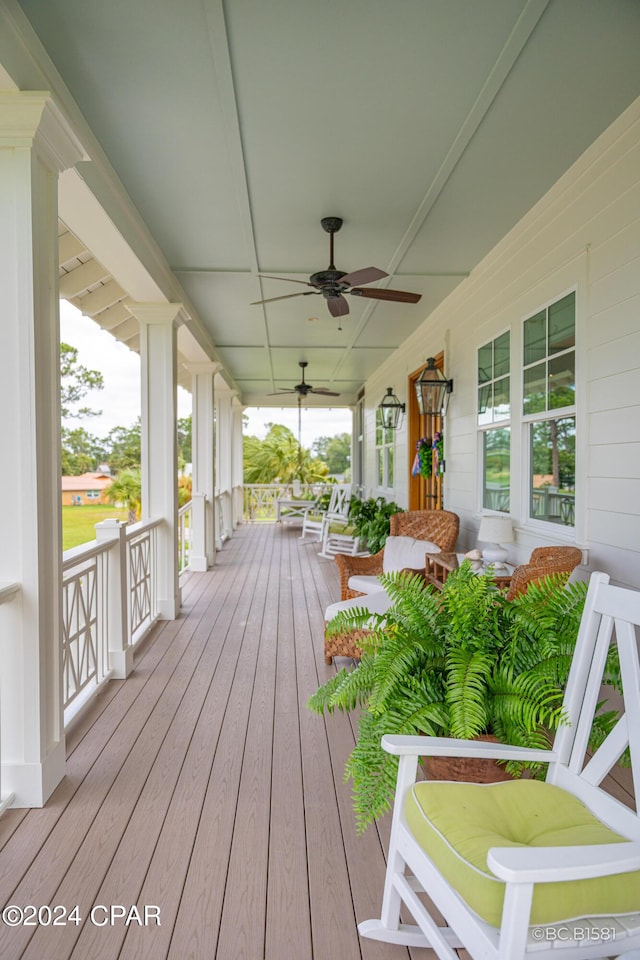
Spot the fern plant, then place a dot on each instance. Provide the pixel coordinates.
(456, 663)
(371, 520)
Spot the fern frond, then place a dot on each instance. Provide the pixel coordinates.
(466, 685)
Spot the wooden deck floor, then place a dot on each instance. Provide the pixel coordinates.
(202, 787)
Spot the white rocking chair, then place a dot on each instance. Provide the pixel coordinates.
(315, 523)
(504, 889)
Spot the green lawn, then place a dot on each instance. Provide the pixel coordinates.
(78, 523)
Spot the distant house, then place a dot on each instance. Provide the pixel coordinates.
(87, 488)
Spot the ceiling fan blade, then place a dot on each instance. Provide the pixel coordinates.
(399, 296)
(265, 276)
(279, 393)
(287, 296)
(324, 392)
(366, 275)
(338, 306)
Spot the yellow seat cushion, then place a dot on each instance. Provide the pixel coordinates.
(347, 530)
(458, 823)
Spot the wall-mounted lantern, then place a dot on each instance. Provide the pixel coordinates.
(391, 410)
(433, 389)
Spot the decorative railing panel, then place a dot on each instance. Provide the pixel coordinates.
(141, 550)
(260, 498)
(84, 627)
(94, 587)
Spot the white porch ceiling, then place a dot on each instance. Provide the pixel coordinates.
(430, 126)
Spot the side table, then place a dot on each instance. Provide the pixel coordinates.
(438, 566)
(293, 509)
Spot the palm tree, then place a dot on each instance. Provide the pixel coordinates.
(280, 458)
(127, 489)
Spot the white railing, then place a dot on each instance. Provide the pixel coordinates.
(84, 649)
(185, 532)
(8, 592)
(141, 569)
(260, 498)
(550, 504)
(108, 604)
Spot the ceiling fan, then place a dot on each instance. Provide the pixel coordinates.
(302, 389)
(333, 284)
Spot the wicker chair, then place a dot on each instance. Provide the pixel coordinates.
(542, 562)
(439, 526)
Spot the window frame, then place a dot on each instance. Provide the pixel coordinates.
(496, 423)
(382, 453)
(560, 530)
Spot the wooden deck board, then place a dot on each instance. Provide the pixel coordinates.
(80, 847)
(204, 786)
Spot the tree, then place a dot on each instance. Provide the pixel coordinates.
(335, 451)
(123, 447)
(127, 489)
(76, 381)
(184, 440)
(81, 451)
(280, 458)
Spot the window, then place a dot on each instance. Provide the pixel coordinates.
(494, 413)
(93, 494)
(357, 471)
(548, 406)
(384, 454)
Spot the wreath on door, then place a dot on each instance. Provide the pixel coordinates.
(429, 458)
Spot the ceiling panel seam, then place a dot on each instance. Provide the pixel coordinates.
(511, 50)
(223, 68)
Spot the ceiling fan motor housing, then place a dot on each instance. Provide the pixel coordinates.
(331, 224)
(329, 279)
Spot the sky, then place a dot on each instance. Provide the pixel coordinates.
(120, 399)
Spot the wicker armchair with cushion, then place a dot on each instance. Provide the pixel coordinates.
(412, 535)
(438, 527)
(542, 562)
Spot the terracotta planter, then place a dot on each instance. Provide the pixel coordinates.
(468, 769)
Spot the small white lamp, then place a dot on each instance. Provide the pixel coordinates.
(494, 531)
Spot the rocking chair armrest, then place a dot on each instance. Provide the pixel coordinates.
(554, 864)
(406, 746)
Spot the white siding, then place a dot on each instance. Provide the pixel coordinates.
(583, 235)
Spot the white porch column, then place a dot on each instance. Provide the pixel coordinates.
(237, 464)
(224, 458)
(36, 144)
(203, 546)
(159, 448)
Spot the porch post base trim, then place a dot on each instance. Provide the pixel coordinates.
(168, 609)
(33, 783)
(199, 564)
(121, 663)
